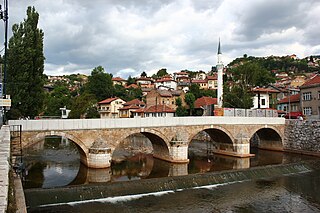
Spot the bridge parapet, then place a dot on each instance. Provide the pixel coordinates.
(77, 124)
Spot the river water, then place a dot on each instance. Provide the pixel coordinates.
(55, 163)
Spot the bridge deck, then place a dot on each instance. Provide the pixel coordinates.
(72, 124)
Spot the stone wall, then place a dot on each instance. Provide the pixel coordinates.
(302, 137)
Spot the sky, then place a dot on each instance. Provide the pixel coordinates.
(127, 37)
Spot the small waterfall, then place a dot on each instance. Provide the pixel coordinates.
(38, 197)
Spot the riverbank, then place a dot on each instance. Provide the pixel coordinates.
(37, 197)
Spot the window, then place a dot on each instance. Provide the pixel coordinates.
(263, 102)
(306, 96)
(307, 110)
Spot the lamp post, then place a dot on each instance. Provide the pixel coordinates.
(4, 17)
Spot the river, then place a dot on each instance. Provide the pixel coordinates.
(55, 163)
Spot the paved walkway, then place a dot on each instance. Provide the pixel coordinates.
(4, 166)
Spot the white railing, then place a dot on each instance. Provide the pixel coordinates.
(76, 124)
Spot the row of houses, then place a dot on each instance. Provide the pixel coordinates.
(159, 103)
(179, 81)
(162, 103)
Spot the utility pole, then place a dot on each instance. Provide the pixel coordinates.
(4, 16)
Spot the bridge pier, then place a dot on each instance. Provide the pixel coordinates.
(178, 151)
(99, 156)
(241, 150)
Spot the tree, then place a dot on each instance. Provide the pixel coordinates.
(162, 72)
(84, 106)
(190, 99)
(25, 77)
(130, 80)
(100, 84)
(58, 98)
(181, 110)
(143, 74)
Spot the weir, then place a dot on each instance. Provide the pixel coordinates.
(39, 197)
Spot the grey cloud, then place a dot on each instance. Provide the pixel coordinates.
(263, 17)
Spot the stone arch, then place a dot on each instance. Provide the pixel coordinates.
(83, 150)
(216, 133)
(267, 137)
(159, 141)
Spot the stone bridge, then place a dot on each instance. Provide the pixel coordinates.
(98, 138)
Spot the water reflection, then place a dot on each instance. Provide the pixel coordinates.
(55, 162)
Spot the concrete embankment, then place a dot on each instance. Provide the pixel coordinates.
(37, 197)
(4, 167)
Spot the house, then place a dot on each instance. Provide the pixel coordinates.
(145, 82)
(310, 98)
(290, 103)
(179, 75)
(205, 105)
(159, 111)
(203, 84)
(201, 75)
(184, 84)
(165, 97)
(298, 81)
(213, 81)
(118, 81)
(263, 96)
(129, 107)
(166, 82)
(109, 108)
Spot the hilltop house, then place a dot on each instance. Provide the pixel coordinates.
(264, 97)
(109, 108)
(128, 109)
(310, 97)
(164, 97)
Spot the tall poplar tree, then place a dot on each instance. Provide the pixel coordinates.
(25, 77)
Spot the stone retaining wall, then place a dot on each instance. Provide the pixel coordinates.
(302, 137)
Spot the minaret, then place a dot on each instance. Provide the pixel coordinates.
(220, 77)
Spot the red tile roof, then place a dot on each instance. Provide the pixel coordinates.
(136, 102)
(293, 99)
(118, 79)
(108, 100)
(199, 81)
(313, 81)
(132, 86)
(212, 77)
(159, 108)
(129, 107)
(265, 90)
(204, 101)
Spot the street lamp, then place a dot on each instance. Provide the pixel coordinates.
(4, 17)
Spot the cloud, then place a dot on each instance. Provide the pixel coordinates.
(127, 37)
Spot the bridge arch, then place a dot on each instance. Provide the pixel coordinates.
(83, 150)
(267, 137)
(217, 134)
(159, 141)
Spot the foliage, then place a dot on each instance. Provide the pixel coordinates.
(181, 110)
(143, 74)
(162, 72)
(237, 97)
(25, 77)
(58, 98)
(127, 94)
(84, 106)
(100, 84)
(190, 99)
(130, 80)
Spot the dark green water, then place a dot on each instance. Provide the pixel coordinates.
(58, 165)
